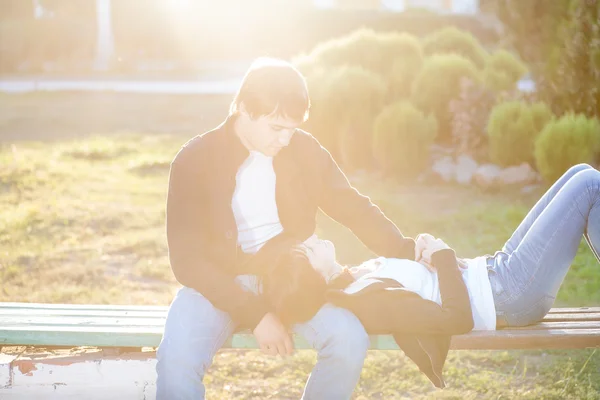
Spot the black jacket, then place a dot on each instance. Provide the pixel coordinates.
(201, 228)
(421, 328)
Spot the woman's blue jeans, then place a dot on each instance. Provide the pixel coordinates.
(527, 273)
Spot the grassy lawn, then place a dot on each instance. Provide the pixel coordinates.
(82, 193)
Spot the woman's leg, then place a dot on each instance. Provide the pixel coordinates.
(542, 203)
(526, 282)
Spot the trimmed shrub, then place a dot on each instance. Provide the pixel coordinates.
(407, 62)
(345, 104)
(438, 83)
(565, 142)
(321, 121)
(360, 48)
(396, 57)
(451, 40)
(470, 113)
(402, 137)
(512, 128)
(502, 71)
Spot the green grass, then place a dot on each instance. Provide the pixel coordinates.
(82, 221)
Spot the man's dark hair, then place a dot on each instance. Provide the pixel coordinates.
(273, 86)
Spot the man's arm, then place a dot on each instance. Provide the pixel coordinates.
(186, 242)
(342, 202)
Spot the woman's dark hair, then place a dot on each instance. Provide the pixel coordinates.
(295, 290)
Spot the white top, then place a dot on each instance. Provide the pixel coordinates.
(419, 279)
(253, 203)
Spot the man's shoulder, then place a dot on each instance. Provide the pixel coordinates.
(197, 146)
(305, 141)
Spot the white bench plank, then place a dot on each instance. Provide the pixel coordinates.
(144, 308)
(142, 326)
(150, 337)
(50, 322)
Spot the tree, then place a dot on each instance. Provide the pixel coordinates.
(559, 39)
(104, 39)
(578, 74)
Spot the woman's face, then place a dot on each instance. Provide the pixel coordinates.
(320, 253)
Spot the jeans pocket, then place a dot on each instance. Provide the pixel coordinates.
(526, 313)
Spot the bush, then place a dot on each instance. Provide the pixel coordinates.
(407, 62)
(345, 103)
(396, 57)
(502, 71)
(565, 142)
(513, 128)
(438, 83)
(451, 40)
(321, 121)
(470, 112)
(402, 137)
(577, 79)
(360, 48)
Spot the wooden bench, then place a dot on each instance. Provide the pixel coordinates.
(44, 351)
(142, 326)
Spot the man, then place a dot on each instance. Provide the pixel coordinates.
(232, 189)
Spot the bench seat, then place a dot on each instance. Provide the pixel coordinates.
(69, 325)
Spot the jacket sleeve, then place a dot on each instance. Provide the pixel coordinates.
(186, 243)
(454, 316)
(342, 202)
(400, 311)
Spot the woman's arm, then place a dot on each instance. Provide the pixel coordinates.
(401, 311)
(454, 316)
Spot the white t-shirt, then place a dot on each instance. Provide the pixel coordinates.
(419, 279)
(253, 203)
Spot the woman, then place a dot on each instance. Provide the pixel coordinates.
(515, 287)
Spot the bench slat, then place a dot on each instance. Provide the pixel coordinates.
(559, 325)
(162, 314)
(150, 337)
(25, 322)
(572, 310)
(83, 313)
(142, 326)
(118, 307)
(522, 339)
(132, 337)
(51, 306)
(497, 340)
(75, 321)
(572, 317)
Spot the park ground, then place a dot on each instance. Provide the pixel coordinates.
(83, 181)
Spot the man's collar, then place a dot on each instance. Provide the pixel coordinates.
(234, 145)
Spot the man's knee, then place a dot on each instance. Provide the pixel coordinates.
(179, 358)
(194, 330)
(347, 343)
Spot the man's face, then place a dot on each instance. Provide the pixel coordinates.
(270, 133)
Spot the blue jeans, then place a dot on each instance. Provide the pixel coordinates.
(526, 275)
(195, 330)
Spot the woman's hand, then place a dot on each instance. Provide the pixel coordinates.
(426, 245)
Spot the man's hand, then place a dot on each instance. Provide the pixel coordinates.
(272, 336)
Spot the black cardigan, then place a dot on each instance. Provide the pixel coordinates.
(421, 328)
(201, 228)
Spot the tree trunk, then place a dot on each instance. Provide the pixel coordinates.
(104, 39)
